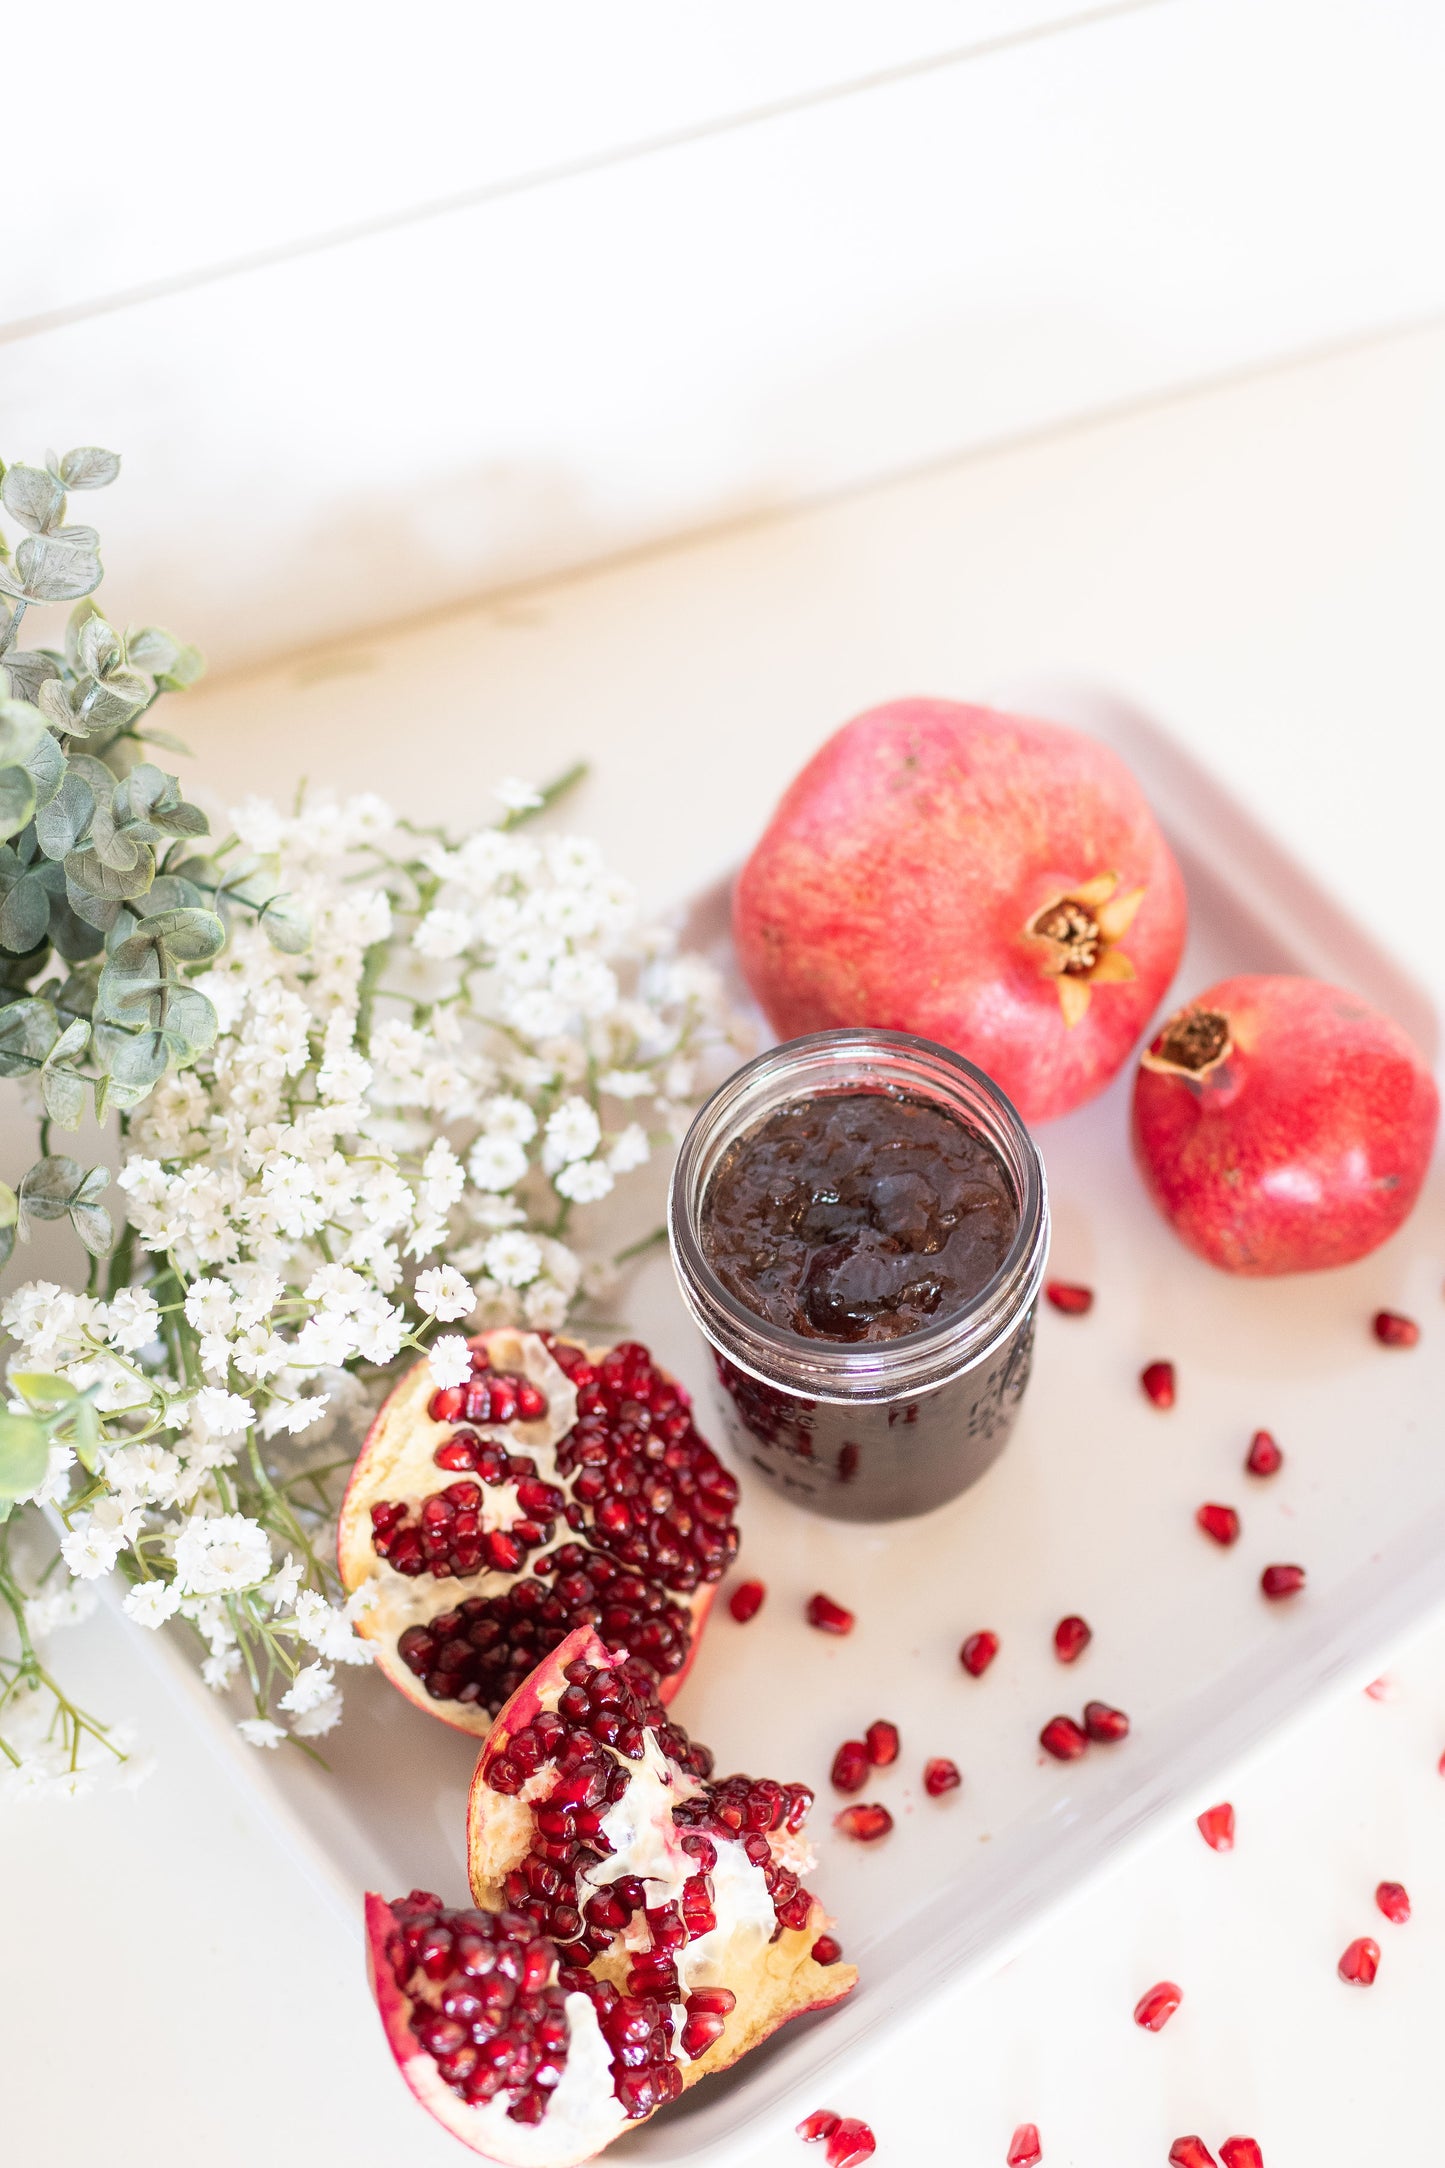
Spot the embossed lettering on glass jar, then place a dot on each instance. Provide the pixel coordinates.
(866, 1428)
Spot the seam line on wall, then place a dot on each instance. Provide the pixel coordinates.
(502, 191)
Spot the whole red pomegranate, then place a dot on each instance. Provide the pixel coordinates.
(995, 884)
(559, 1487)
(1283, 1125)
(636, 1923)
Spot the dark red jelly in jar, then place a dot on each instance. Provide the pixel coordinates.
(859, 1226)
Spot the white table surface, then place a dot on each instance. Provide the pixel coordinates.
(1262, 566)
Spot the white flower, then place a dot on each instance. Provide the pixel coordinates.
(572, 1132)
(545, 1306)
(369, 916)
(259, 824)
(515, 795)
(508, 1116)
(294, 1415)
(280, 1590)
(325, 1341)
(443, 1294)
(132, 1320)
(219, 1553)
(443, 1177)
(56, 1608)
(311, 1687)
(220, 1414)
(318, 1721)
(338, 1288)
(90, 1551)
(513, 1258)
(496, 1163)
(54, 1485)
(146, 1474)
(211, 1306)
(380, 1330)
(574, 860)
(219, 1669)
(450, 1360)
(584, 1181)
(260, 1731)
(329, 1631)
(151, 1603)
(629, 1149)
(536, 1014)
(442, 933)
(260, 1353)
(584, 983)
(257, 1290)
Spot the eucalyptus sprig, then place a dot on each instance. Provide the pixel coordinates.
(106, 905)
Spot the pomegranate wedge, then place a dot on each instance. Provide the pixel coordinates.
(559, 1487)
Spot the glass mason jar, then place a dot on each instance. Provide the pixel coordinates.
(872, 1430)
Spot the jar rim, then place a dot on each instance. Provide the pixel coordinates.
(849, 1371)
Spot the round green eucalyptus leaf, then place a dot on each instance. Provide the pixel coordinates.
(24, 1454)
(21, 729)
(89, 467)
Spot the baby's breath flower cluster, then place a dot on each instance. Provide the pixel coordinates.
(389, 1142)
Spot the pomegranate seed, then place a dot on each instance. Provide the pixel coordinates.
(827, 1616)
(1440, 1766)
(1220, 1522)
(1157, 1380)
(866, 1824)
(940, 1776)
(977, 1653)
(1153, 2010)
(1393, 1900)
(446, 1403)
(1216, 1827)
(1072, 1300)
(1072, 1636)
(1105, 1724)
(1360, 1963)
(850, 2143)
(1278, 1582)
(882, 1740)
(1241, 2153)
(1392, 1330)
(746, 1601)
(1190, 2153)
(820, 2124)
(1381, 1689)
(1062, 1738)
(1024, 2148)
(1264, 1456)
(826, 1950)
(850, 1766)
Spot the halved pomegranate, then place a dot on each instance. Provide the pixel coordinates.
(560, 1487)
(638, 1923)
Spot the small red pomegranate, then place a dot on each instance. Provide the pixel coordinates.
(560, 1487)
(996, 884)
(613, 1953)
(1283, 1125)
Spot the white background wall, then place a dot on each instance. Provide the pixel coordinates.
(384, 311)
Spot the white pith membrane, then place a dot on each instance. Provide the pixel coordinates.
(692, 1966)
(397, 1467)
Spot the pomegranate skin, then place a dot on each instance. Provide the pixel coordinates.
(1303, 1144)
(900, 877)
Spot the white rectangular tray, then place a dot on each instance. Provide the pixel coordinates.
(1090, 1510)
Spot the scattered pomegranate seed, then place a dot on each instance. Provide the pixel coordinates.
(1072, 1636)
(1241, 2153)
(827, 1616)
(820, 2124)
(1220, 1522)
(1024, 2149)
(1381, 1689)
(1154, 2009)
(941, 1776)
(1392, 1330)
(1264, 1456)
(977, 1653)
(1157, 1380)
(866, 1824)
(1062, 1738)
(746, 1601)
(850, 1767)
(882, 1740)
(1393, 1900)
(1105, 1724)
(1190, 2153)
(1074, 1301)
(1280, 1581)
(1360, 1963)
(1216, 1827)
(826, 1950)
(850, 2143)
(1440, 1765)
